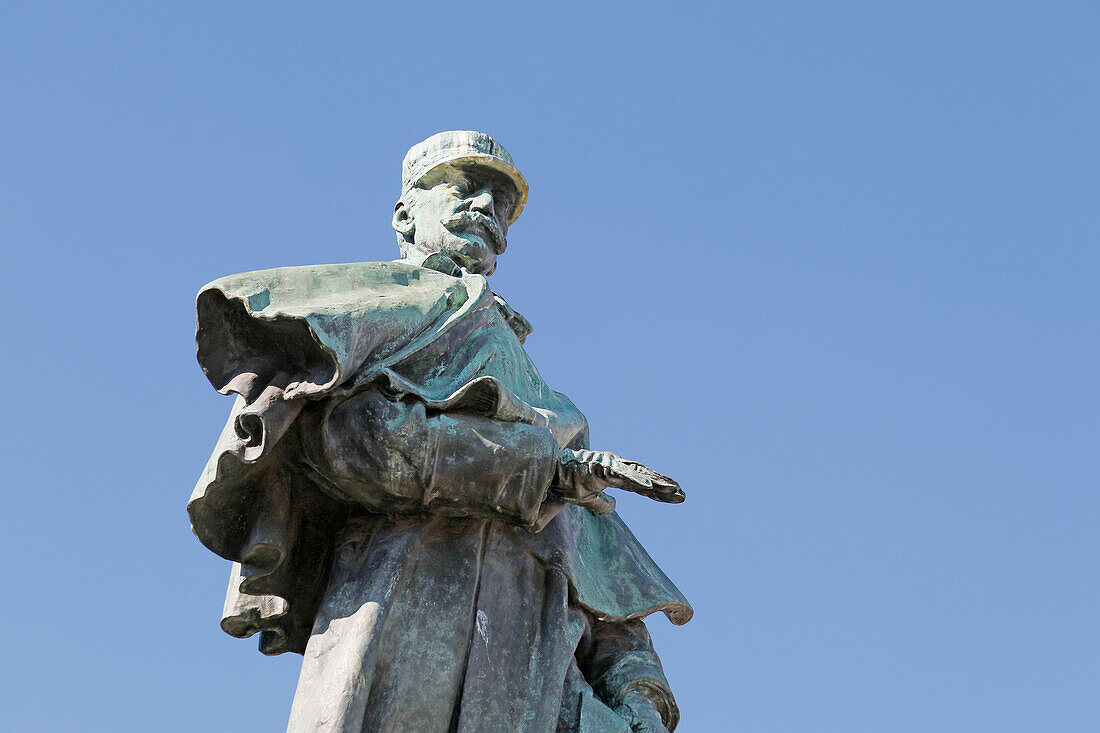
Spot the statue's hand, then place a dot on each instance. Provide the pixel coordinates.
(583, 474)
(640, 712)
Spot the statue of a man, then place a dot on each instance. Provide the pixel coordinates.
(408, 504)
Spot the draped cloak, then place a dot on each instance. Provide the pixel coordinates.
(286, 338)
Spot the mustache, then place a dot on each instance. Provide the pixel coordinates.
(465, 219)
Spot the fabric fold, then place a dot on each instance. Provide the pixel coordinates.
(282, 338)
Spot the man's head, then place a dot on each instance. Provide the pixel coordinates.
(459, 193)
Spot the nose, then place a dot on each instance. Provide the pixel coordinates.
(482, 200)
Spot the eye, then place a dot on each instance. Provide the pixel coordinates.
(504, 198)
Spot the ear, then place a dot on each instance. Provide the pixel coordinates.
(402, 220)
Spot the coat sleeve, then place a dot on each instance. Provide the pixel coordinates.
(620, 658)
(395, 456)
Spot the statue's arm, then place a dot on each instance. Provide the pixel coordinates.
(625, 672)
(395, 456)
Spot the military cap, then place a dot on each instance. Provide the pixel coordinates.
(462, 147)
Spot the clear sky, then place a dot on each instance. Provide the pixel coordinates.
(831, 265)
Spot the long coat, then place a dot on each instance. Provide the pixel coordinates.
(381, 488)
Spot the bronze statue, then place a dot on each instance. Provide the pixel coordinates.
(408, 504)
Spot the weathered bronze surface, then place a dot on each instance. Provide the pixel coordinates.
(404, 499)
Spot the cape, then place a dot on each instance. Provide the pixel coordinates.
(281, 338)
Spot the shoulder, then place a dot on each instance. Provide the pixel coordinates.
(327, 281)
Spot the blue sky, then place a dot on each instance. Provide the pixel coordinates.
(831, 265)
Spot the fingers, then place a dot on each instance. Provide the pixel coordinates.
(657, 478)
(640, 479)
(663, 494)
(595, 470)
(663, 488)
(622, 476)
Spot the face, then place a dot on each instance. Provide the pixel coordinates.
(460, 212)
